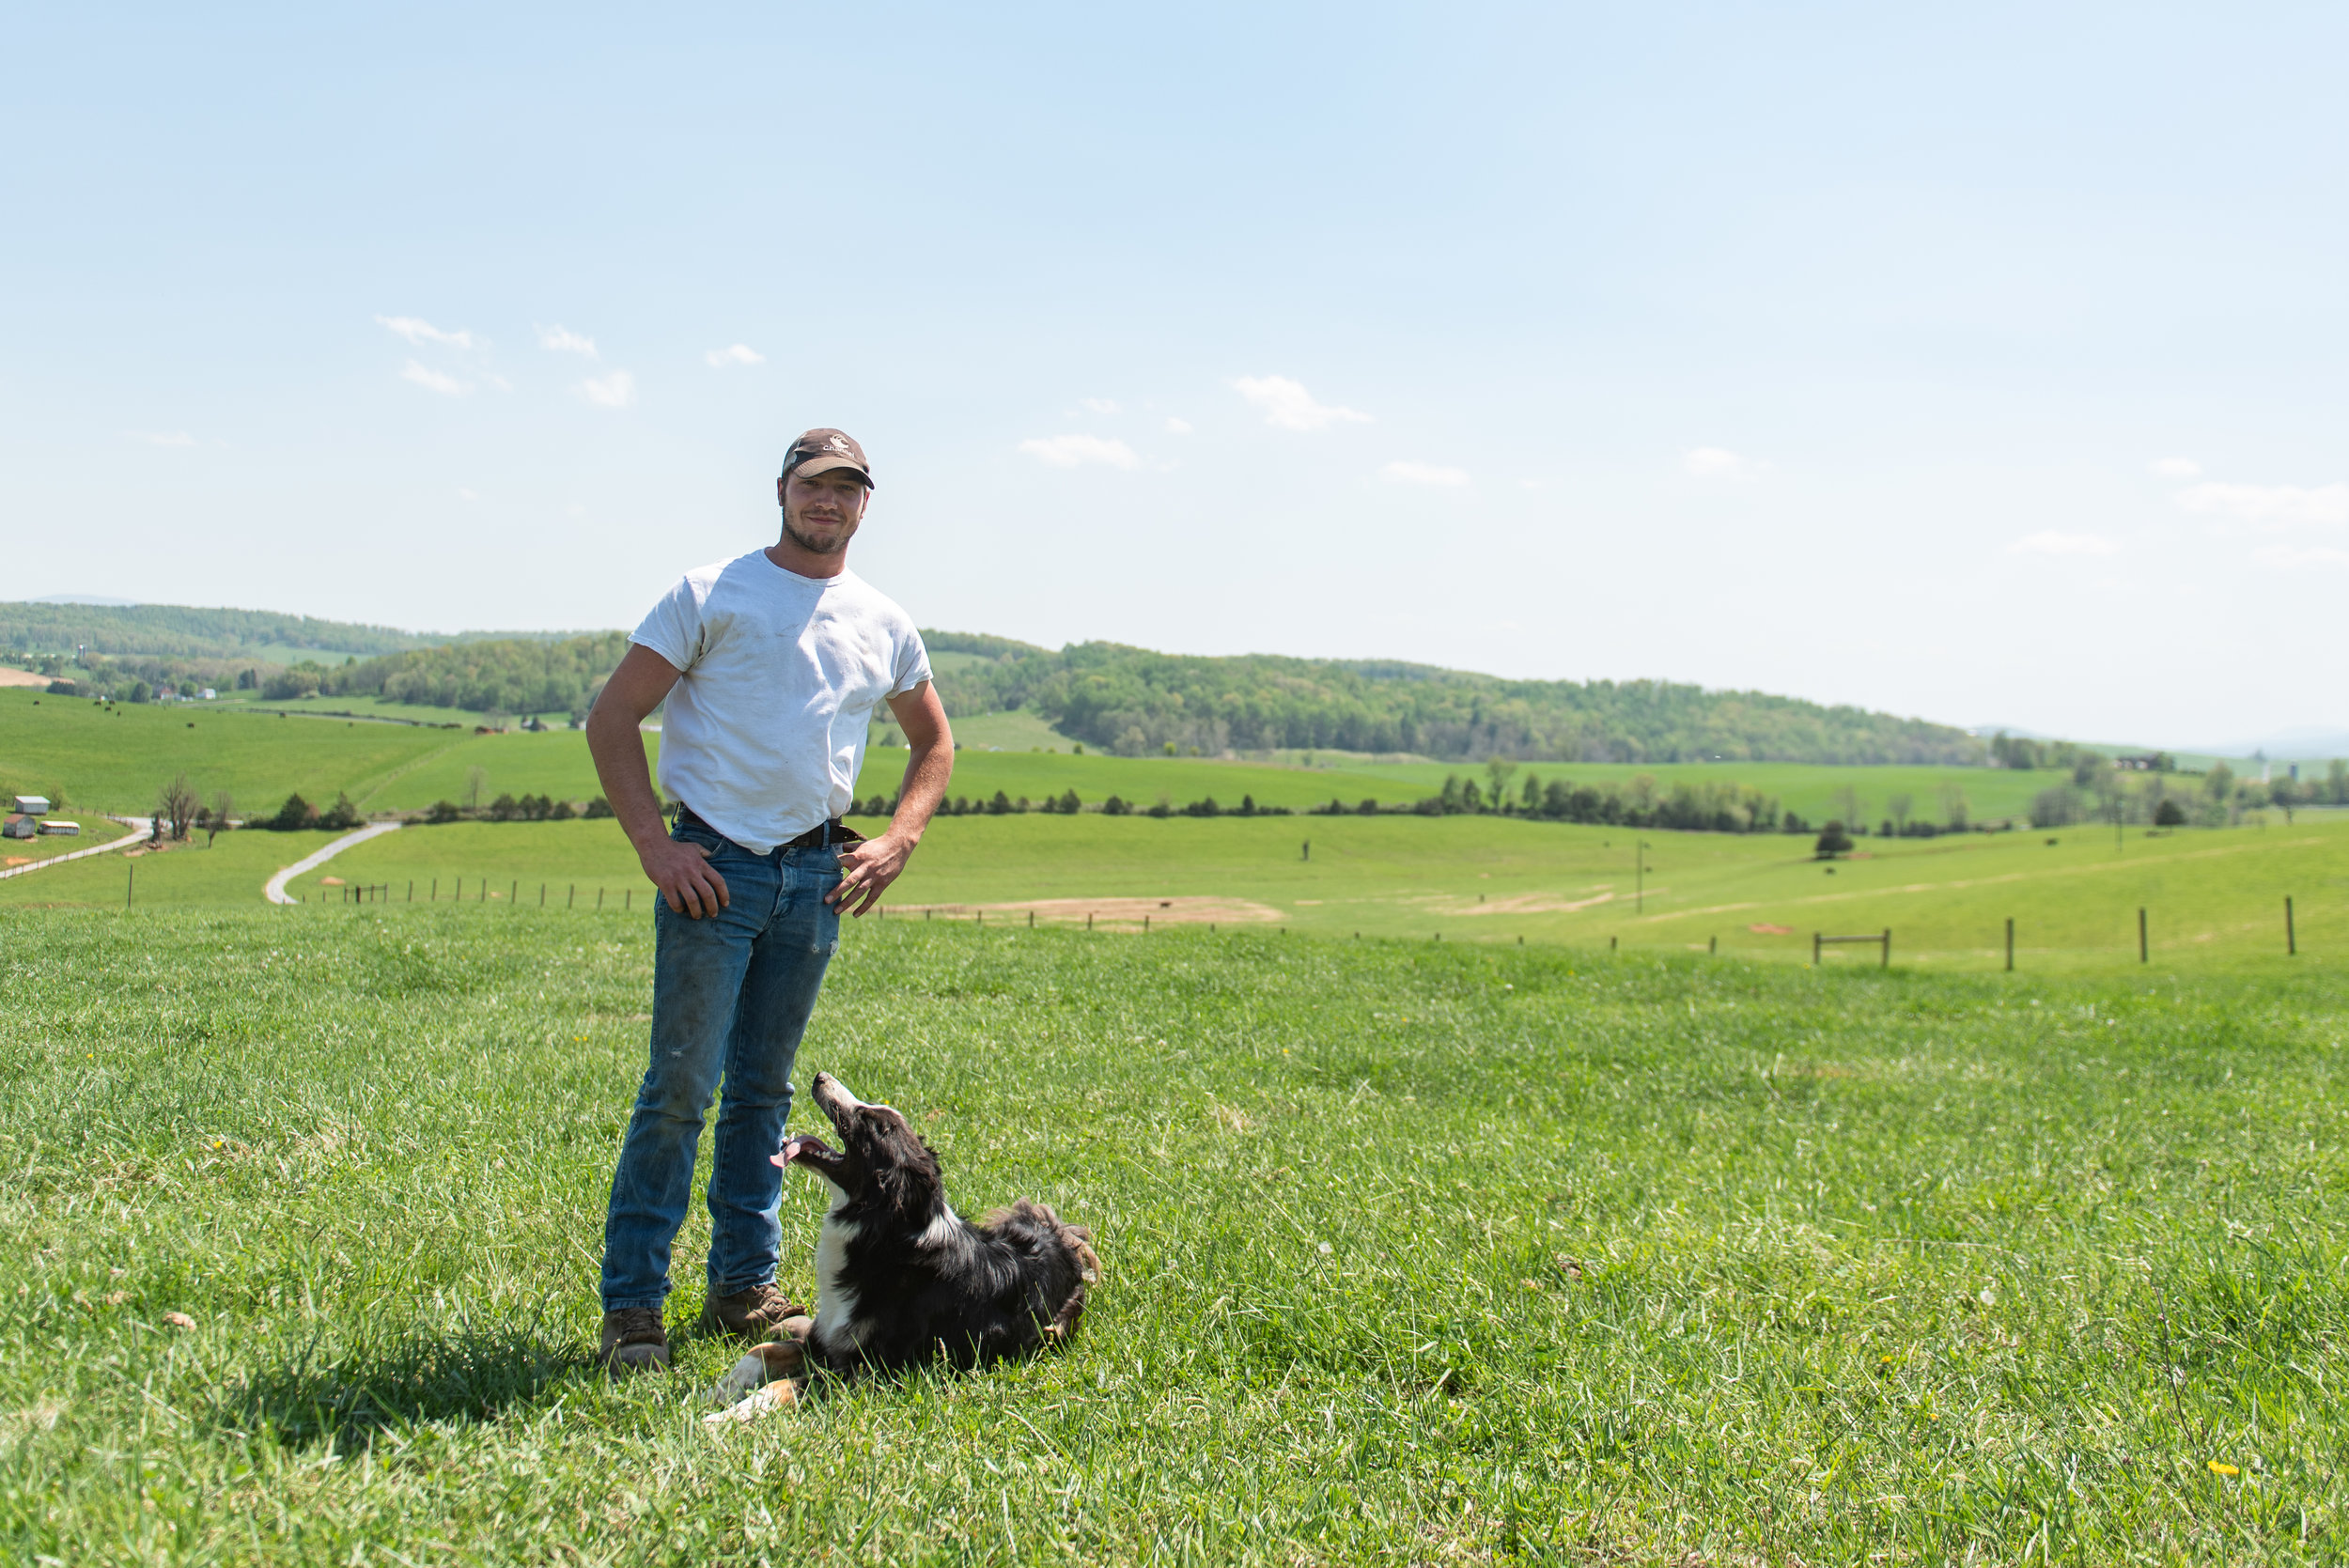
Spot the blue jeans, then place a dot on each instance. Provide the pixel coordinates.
(731, 995)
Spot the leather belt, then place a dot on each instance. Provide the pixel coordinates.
(822, 836)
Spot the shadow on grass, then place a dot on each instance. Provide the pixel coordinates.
(351, 1392)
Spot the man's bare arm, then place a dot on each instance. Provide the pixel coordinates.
(681, 871)
(866, 870)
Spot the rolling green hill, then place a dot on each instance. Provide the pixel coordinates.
(186, 633)
(1135, 701)
(1132, 700)
(117, 757)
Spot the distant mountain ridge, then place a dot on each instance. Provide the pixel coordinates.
(63, 624)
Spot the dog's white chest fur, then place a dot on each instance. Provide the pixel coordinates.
(835, 1301)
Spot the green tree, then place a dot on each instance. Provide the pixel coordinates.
(1833, 841)
(1499, 770)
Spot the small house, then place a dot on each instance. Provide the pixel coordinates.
(20, 825)
(60, 827)
(33, 805)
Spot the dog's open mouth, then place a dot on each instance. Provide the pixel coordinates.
(834, 1100)
(800, 1149)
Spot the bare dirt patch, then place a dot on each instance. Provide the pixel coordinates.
(22, 678)
(1117, 914)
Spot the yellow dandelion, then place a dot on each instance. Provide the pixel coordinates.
(2217, 1468)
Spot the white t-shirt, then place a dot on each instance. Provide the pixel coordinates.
(780, 675)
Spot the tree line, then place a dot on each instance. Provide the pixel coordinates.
(1135, 702)
(2177, 799)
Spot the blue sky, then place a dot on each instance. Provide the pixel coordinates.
(1982, 363)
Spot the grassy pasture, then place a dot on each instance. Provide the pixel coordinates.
(2214, 897)
(230, 872)
(1992, 793)
(118, 758)
(1415, 1254)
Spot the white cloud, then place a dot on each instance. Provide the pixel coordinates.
(447, 386)
(1071, 451)
(164, 438)
(464, 494)
(2051, 543)
(565, 341)
(2291, 556)
(420, 332)
(2177, 468)
(739, 353)
(1422, 473)
(2271, 506)
(1716, 462)
(1177, 427)
(1100, 405)
(1289, 405)
(616, 391)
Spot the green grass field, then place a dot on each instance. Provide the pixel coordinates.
(118, 758)
(2213, 898)
(1414, 1255)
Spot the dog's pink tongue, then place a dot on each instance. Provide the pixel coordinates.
(790, 1152)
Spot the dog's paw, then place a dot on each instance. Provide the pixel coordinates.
(774, 1396)
(761, 1365)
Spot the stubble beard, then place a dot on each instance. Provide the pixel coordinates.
(838, 542)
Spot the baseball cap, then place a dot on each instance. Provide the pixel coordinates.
(821, 451)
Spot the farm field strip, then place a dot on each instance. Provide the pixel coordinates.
(390, 774)
(2213, 898)
(1411, 1251)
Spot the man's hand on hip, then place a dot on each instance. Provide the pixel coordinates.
(865, 872)
(682, 872)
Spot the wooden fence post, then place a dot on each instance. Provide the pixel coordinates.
(2292, 938)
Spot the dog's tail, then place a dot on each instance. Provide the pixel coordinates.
(1077, 1239)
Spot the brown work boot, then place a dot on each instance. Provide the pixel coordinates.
(633, 1341)
(748, 1314)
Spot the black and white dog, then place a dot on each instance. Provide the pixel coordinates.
(902, 1279)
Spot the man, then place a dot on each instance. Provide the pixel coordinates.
(771, 664)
